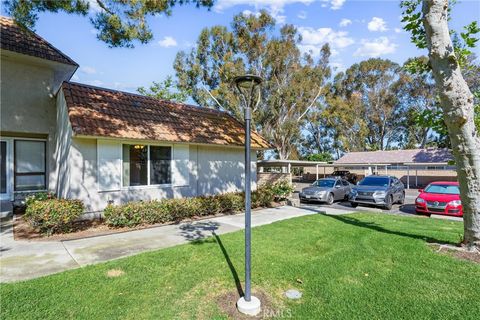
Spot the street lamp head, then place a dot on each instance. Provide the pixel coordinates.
(248, 81)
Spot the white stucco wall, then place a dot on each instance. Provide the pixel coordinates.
(28, 104)
(212, 170)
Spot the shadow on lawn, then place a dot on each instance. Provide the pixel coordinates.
(230, 265)
(199, 232)
(378, 228)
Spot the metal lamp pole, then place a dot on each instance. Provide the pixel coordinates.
(246, 86)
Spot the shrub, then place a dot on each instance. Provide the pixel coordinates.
(173, 210)
(54, 215)
(38, 196)
(282, 189)
(209, 205)
(231, 202)
(263, 197)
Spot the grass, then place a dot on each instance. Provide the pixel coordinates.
(362, 266)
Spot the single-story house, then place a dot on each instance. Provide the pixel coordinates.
(105, 146)
(415, 167)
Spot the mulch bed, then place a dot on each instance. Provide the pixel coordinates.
(22, 230)
(457, 252)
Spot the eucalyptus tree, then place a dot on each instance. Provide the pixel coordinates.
(427, 22)
(293, 82)
(367, 97)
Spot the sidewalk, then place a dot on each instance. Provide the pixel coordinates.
(21, 260)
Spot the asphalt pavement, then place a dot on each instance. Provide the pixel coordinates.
(408, 208)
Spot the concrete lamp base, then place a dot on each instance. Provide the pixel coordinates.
(251, 308)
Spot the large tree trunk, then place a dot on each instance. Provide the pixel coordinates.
(457, 104)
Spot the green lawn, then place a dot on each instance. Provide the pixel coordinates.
(362, 266)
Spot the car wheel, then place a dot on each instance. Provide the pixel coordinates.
(389, 202)
(353, 204)
(402, 198)
(330, 198)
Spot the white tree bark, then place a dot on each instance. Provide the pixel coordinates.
(457, 104)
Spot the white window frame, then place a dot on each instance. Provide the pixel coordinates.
(148, 185)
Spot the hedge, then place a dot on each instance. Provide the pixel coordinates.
(174, 210)
(52, 215)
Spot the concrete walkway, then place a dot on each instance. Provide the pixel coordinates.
(21, 260)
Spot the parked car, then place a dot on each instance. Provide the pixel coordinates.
(382, 191)
(345, 174)
(442, 197)
(326, 190)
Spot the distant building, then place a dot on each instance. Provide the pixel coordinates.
(415, 167)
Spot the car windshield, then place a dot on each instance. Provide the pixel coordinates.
(324, 183)
(374, 181)
(442, 189)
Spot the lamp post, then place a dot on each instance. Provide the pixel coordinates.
(246, 84)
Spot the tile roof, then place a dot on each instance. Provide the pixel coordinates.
(430, 155)
(18, 39)
(103, 112)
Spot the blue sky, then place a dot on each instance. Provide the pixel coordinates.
(355, 29)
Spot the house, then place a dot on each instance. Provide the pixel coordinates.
(104, 146)
(415, 167)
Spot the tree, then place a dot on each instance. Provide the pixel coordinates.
(419, 97)
(165, 90)
(119, 22)
(429, 29)
(364, 104)
(324, 156)
(292, 82)
(427, 114)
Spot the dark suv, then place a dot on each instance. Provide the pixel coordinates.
(382, 191)
(345, 174)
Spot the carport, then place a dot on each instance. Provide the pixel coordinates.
(409, 171)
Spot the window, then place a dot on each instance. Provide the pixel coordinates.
(30, 165)
(146, 165)
(3, 167)
(160, 165)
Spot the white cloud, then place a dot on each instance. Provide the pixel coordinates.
(345, 22)
(93, 6)
(377, 24)
(274, 7)
(375, 47)
(336, 4)
(167, 42)
(250, 13)
(338, 66)
(314, 39)
(88, 70)
(398, 30)
(302, 15)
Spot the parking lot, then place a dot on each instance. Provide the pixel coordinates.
(408, 208)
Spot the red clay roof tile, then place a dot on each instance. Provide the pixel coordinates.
(103, 112)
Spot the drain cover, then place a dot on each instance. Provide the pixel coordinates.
(293, 294)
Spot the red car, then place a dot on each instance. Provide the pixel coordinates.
(442, 197)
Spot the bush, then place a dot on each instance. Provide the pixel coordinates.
(38, 196)
(54, 215)
(173, 210)
(263, 197)
(282, 189)
(231, 202)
